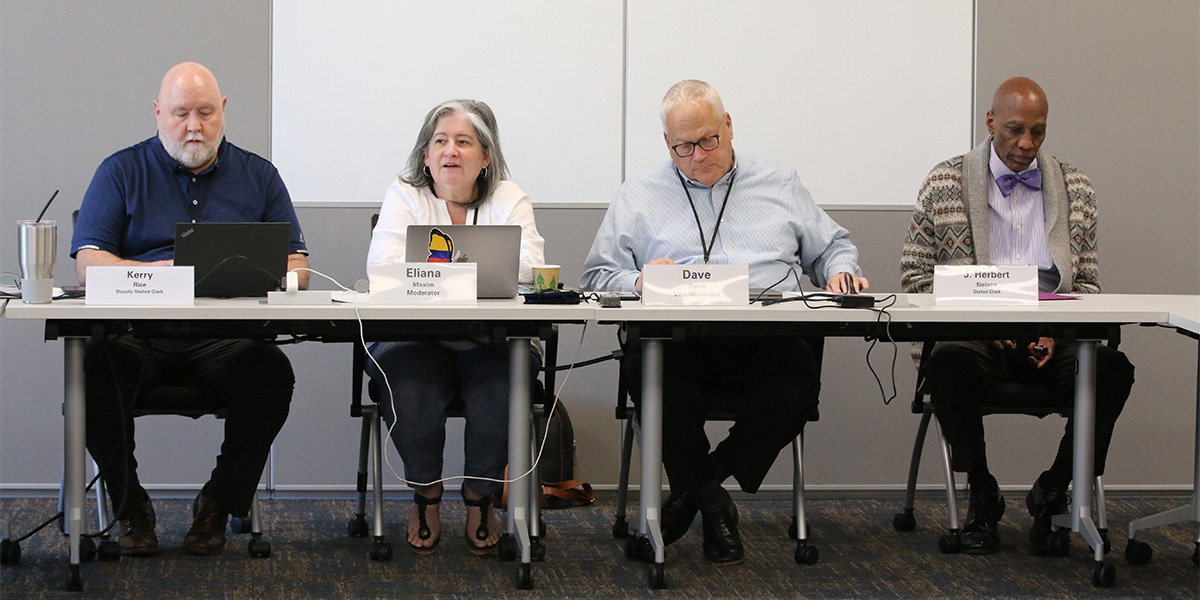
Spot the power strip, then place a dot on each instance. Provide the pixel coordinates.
(855, 301)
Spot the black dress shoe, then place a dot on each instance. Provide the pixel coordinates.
(207, 534)
(1043, 503)
(678, 512)
(722, 542)
(982, 533)
(137, 531)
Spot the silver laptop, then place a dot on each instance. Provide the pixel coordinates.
(495, 249)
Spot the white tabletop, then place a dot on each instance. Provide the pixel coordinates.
(915, 308)
(513, 309)
(1175, 310)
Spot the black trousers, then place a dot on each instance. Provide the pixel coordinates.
(770, 386)
(959, 373)
(252, 379)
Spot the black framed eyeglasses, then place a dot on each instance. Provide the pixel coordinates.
(707, 144)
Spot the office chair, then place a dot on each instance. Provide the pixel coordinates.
(184, 401)
(168, 399)
(639, 547)
(1004, 398)
(371, 449)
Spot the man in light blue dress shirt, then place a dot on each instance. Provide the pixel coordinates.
(707, 205)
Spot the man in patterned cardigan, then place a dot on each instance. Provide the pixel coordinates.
(1006, 203)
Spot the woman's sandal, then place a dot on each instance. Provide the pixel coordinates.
(482, 532)
(423, 531)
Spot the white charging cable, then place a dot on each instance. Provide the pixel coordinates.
(391, 402)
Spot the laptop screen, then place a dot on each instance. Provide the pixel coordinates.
(233, 260)
(495, 249)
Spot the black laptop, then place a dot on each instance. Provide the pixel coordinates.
(233, 260)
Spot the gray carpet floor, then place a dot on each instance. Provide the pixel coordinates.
(861, 556)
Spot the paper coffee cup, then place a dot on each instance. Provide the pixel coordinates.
(545, 278)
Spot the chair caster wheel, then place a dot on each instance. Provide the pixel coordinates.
(524, 577)
(74, 579)
(109, 551)
(87, 549)
(357, 527)
(259, 548)
(951, 543)
(537, 550)
(657, 577)
(1060, 542)
(10, 552)
(381, 550)
(806, 555)
(1196, 555)
(620, 529)
(904, 521)
(507, 548)
(239, 525)
(1138, 552)
(638, 548)
(1104, 575)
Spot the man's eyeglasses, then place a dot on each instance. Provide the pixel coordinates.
(707, 144)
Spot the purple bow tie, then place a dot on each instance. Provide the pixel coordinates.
(1032, 178)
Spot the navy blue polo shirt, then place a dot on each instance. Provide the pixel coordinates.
(138, 195)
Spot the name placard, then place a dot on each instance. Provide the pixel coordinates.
(140, 286)
(422, 283)
(985, 285)
(695, 285)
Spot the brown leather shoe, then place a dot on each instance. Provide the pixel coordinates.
(137, 531)
(207, 535)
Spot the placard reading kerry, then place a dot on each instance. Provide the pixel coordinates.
(158, 286)
(422, 283)
(695, 284)
(985, 285)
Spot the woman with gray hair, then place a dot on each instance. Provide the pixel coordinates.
(455, 175)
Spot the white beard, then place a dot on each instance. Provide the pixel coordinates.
(192, 156)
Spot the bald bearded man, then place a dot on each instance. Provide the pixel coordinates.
(187, 173)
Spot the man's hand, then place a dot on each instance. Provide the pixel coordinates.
(1040, 353)
(838, 285)
(637, 285)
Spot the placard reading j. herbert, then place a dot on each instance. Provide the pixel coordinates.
(141, 286)
(985, 285)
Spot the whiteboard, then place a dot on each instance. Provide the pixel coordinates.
(862, 97)
(352, 81)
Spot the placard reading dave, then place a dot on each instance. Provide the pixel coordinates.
(695, 284)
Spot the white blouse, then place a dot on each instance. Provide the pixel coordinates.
(405, 205)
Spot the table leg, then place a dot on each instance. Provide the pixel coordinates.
(74, 452)
(518, 447)
(1080, 519)
(1188, 512)
(651, 424)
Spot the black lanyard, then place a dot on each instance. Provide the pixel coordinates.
(712, 242)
